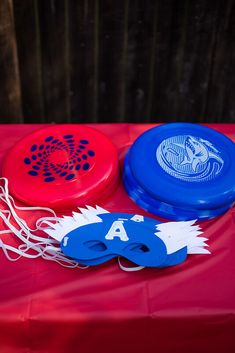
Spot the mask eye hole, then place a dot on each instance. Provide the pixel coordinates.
(95, 245)
(138, 247)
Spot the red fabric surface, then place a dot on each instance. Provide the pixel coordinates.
(187, 308)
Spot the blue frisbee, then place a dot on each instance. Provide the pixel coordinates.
(181, 171)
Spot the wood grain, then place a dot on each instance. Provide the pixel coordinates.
(10, 90)
(84, 61)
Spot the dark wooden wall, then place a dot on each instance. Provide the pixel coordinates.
(115, 60)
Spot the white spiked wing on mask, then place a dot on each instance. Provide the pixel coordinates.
(66, 224)
(177, 235)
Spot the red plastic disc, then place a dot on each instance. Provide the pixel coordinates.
(62, 166)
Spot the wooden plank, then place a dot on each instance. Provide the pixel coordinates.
(29, 51)
(220, 98)
(111, 71)
(77, 60)
(142, 43)
(10, 91)
(116, 57)
(184, 49)
(84, 60)
(67, 63)
(53, 19)
(154, 39)
(228, 112)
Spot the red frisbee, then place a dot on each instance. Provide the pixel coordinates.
(62, 166)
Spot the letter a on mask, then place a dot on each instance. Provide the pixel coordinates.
(117, 230)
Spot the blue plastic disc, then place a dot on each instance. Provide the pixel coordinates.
(181, 171)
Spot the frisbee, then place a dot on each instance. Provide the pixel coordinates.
(62, 166)
(181, 171)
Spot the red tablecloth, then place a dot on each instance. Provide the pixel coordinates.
(189, 308)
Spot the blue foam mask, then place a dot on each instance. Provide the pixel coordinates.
(95, 236)
(117, 235)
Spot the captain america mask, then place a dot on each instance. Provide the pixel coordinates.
(95, 236)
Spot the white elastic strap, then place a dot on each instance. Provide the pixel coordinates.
(21, 253)
(27, 245)
(54, 257)
(46, 221)
(129, 269)
(19, 233)
(47, 248)
(8, 199)
(43, 249)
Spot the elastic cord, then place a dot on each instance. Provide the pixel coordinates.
(129, 269)
(32, 245)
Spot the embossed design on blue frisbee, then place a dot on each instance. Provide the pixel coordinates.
(189, 158)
